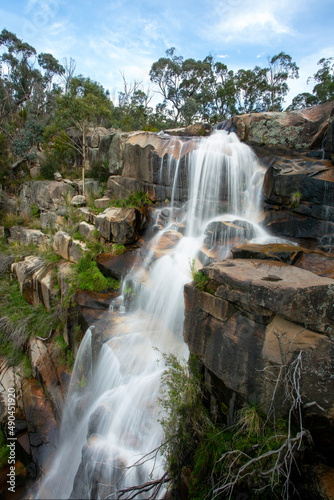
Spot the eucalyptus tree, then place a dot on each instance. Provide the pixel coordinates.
(251, 85)
(85, 105)
(324, 78)
(281, 69)
(323, 89)
(27, 94)
(179, 81)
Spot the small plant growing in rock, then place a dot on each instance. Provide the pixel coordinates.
(295, 199)
(118, 249)
(201, 281)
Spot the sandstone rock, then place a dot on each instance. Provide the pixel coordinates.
(5, 262)
(51, 220)
(294, 293)
(117, 266)
(102, 202)
(64, 270)
(41, 423)
(197, 129)
(46, 366)
(121, 225)
(302, 129)
(35, 172)
(78, 201)
(220, 232)
(46, 195)
(281, 252)
(87, 230)
(57, 176)
(299, 197)
(163, 244)
(238, 331)
(68, 248)
(87, 214)
(24, 272)
(27, 236)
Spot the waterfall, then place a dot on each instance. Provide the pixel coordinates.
(111, 416)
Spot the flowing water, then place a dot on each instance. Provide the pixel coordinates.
(111, 416)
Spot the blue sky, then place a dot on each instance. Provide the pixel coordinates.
(107, 38)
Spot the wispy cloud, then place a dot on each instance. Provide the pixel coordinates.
(223, 56)
(256, 22)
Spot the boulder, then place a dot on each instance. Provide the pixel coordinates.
(27, 236)
(78, 201)
(24, 272)
(87, 214)
(5, 262)
(121, 225)
(299, 196)
(46, 366)
(68, 248)
(316, 261)
(162, 244)
(302, 129)
(35, 172)
(255, 316)
(197, 129)
(117, 266)
(87, 230)
(51, 220)
(46, 195)
(102, 202)
(221, 231)
(64, 270)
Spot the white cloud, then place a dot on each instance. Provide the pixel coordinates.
(253, 22)
(223, 56)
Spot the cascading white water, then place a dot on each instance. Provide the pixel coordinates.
(111, 414)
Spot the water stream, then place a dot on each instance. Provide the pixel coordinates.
(111, 414)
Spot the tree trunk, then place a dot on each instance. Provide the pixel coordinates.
(83, 158)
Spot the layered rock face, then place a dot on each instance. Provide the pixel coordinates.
(299, 200)
(295, 130)
(259, 315)
(142, 161)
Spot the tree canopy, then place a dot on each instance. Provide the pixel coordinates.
(40, 97)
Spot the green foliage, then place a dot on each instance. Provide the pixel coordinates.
(295, 199)
(10, 220)
(136, 199)
(20, 320)
(184, 415)
(201, 281)
(34, 211)
(65, 355)
(118, 249)
(206, 451)
(4, 450)
(99, 170)
(87, 276)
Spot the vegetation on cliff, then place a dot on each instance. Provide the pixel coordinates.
(255, 454)
(41, 98)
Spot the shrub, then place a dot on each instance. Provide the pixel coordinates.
(256, 454)
(20, 320)
(99, 170)
(137, 199)
(87, 276)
